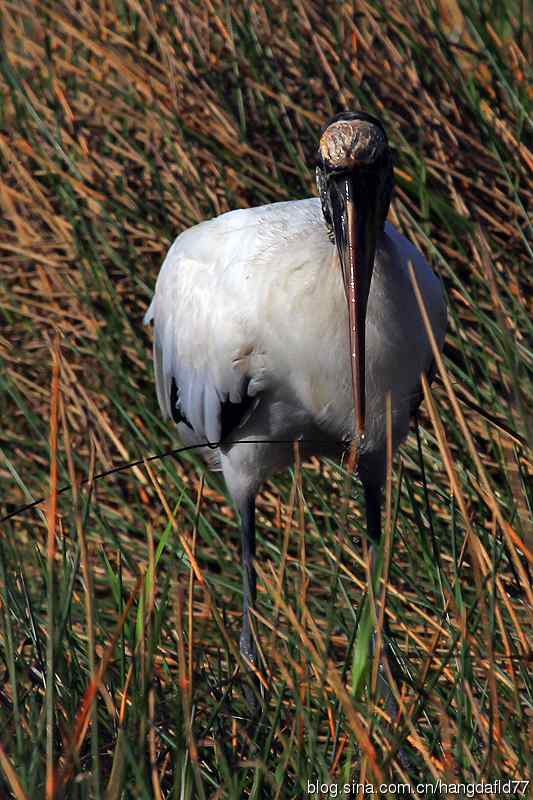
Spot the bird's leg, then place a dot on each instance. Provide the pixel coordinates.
(387, 657)
(373, 520)
(247, 514)
(247, 644)
(373, 512)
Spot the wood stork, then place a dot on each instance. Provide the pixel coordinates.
(292, 321)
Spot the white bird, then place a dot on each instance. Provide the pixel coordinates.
(292, 321)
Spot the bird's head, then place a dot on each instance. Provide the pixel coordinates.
(355, 177)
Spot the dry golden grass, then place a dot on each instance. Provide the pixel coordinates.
(122, 123)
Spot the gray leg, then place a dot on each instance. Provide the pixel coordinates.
(373, 512)
(373, 522)
(387, 655)
(247, 514)
(373, 529)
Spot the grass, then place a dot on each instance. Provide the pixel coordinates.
(121, 124)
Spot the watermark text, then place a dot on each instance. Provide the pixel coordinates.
(497, 788)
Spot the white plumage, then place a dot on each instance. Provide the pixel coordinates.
(252, 302)
(294, 321)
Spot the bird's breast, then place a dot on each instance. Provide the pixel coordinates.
(258, 294)
(302, 351)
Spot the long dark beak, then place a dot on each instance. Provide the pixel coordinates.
(354, 212)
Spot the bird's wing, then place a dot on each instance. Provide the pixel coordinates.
(200, 371)
(439, 322)
(432, 291)
(223, 312)
(417, 398)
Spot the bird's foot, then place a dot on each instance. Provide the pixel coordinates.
(390, 667)
(252, 685)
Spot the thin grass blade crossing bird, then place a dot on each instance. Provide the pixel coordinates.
(293, 321)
